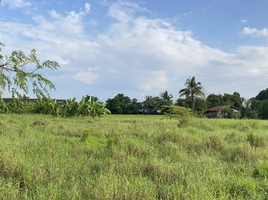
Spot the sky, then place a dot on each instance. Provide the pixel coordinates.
(138, 48)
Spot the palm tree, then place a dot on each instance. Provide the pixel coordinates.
(166, 98)
(147, 103)
(192, 90)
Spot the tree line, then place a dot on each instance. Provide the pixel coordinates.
(192, 96)
(15, 77)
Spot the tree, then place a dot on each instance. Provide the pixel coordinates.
(87, 97)
(214, 100)
(134, 106)
(120, 104)
(263, 109)
(247, 110)
(193, 89)
(147, 104)
(18, 69)
(263, 95)
(114, 105)
(233, 99)
(201, 104)
(166, 98)
(181, 114)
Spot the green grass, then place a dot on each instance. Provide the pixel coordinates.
(132, 157)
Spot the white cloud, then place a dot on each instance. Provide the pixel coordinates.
(155, 80)
(253, 32)
(87, 7)
(136, 54)
(87, 77)
(16, 3)
(54, 14)
(124, 11)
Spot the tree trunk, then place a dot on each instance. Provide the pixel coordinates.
(193, 103)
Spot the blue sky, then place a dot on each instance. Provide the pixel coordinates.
(143, 47)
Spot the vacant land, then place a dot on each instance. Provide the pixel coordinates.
(132, 157)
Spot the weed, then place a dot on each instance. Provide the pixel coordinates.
(255, 141)
(131, 157)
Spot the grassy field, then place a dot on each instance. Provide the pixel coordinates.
(132, 157)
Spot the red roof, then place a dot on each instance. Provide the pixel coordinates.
(216, 108)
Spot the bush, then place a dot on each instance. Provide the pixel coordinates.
(181, 114)
(255, 141)
(228, 112)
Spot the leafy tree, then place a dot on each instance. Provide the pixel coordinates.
(201, 104)
(113, 105)
(134, 106)
(262, 109)
(214, 100)
(124, 103)
(193, 89)
(263, 95)
(18, 69)
(183, 102)
(247, 110)
(233, 99)
(92, 97)
(120, 104)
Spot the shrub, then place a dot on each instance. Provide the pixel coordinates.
(181, 114)
(255, 141)
(228, 112)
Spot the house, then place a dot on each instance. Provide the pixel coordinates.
(215, 112)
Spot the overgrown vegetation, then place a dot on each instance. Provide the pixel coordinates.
(132, 157)
(181, 114)
(48, 106)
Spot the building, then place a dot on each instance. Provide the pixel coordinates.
(7, 100)
(215, 112)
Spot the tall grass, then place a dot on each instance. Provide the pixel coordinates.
(132, 157)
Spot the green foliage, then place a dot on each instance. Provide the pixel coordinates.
(181, 114)
(256, 141)
(18, 70)
(215, 100)
(228, 112)
(263, 95)
(166, 98)
(92, 108)
(151, 105)
(122, 104)
(193, 89)
(262, 109)
(48, 106)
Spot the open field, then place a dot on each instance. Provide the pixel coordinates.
(132, 157)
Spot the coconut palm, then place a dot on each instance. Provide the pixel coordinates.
(193, 89)
(147, 103)
(166, 98)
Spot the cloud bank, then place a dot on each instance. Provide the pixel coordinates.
(135, 54)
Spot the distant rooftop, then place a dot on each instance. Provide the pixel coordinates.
(216, 108)
(6, 100)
